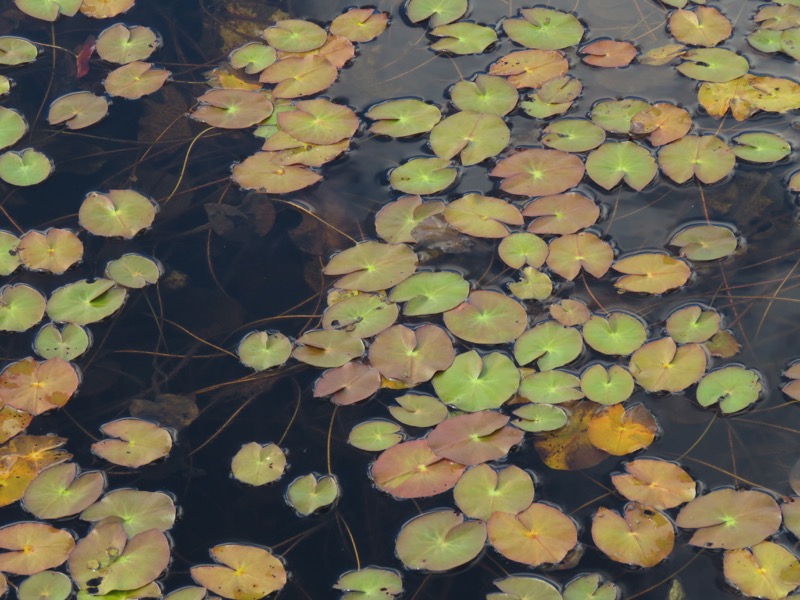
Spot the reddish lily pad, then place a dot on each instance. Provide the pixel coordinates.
(412, 470)
(327, 348)
(483, 490)
(359, 24)
(439, 540)
(396, 220)
(539, 172)
(54, 250)
(641, 537)
(651, 273)
(550, 344)
(59, 492)
(705, 242)
(319, 121)
(517, 587)
(487, 317)
(619, 431)
(663, 122)
(372, 266)
(245, 572)
(730, 519)
(403, 118)
(471, 135)
(33, 547)
(767, 570)
(412, 356)
(232, 109)
(474, 438)
(703, 26)
(655, 483)
(544, 28)
(482, 216)
(105, 9)
(261, 172)
(662, 366)
(36, 387)
(133, 442)
(561, 214)
(474, 382)
(570, 312)
(571, 253)
(349, 383)
(609, 53)
(540, 534)
(706, 157)
(530, 68)
(118, 213)
(298, 76)
(135, 79)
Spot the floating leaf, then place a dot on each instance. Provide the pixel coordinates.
(570, 312)
(608, 53)
(12, 423)
(411, 470)
(483, 490)
(571, 253)
(59, 492)
(430, 293)
(614, 161)
(487, 94)
(730, 519)
(122, 44)
(24, 168)
(651, 273)
(520, 249)
(33, 547)
(760, 147)
(473, 438)
(295, 35)
(51, 585)
(12, 127)
(9, 261)
(77, 110)
(375, 435)
(607, 386)
(735, 388)
(703, 26)
(137, 511)
(615, 116)
(713, 64)
(554, 97)
(319, 121)
(261, 350)
(135, 79)
(16, 51)
(105, 9)
(232, 109)
(520, 587)
(591, 586)
(655, 483)
(440, 12)
(540, 534)
(482, 216)
(767, 570)
(370, 583)
(487, 317)
(418, 410)
(540, 417)
(619, 431)
(253, 57)
(538, 172)
(550, 387)
(561, 214)
(663, 122)
(362, 315)
(327, 348)
(707, 157)
(36, 387)
(83, 302)
(16, 474)
(533, 285)
(308, 493)
(619, 334)
(705, 242)
(372, 266)
(21, 307)
(134, 442)
(54, 250)
(423, 176)
(48, 10)
(573, 135)
(473, 136)
(641, 536)
(463, 38)
(249, 572)
(256, 464)
(359, 24)
(119, 213)
(403, 118)
(544, 29)
(298, 76)
(550, 344)
(530, 68)
(693, 324)
(133, 271)
(439, 540)
(662, 366)
(411, 356)
(396, 221)
(261, 172)
(474, 382)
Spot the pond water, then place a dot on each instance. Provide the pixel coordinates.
(235, 261)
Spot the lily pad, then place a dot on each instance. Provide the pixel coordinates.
(760, 147)
(483, 490)
(327, 348)
(48, 10)
(252, 57)
(519, 587)
(641, 536)
(439, 12)
(717, 65)
(619, 334)
(533, 285)
(232, 109)
(36, 387)
(540, 417)
(767, 570)
(662, 366)
(419, 410)
(532, 69)
(703, 26)
(487, 94)
(439, 540)
(571, 253)
(83, 302)
(471, 135)
(25, 168)
(105, 9)
(359, 24)
(318, 121)
(693, 324)
(59, 492)
(33, 547)
(423, 176)
(245, 572)
(561, 214)
(52, 585)
(21, 307)
(705, 242)
(573, 135)
(430, 293)
(734, 388)
(396, 221)
(591, 586)
(118, 213)
(375, 435)
(403, 118)
(569, 312)
(544, 29)
(487, 317)
(295, 35)
(133, 442)
(607, 386)
(350, 383)
(614, 161)
(54, 250)
(473, 438)
(474, 382)
(372, 266)
(554, 97)
(309, 493)
(538, 172)
(137, 511)
(615, 116)
(608, 53)
(655, 483)
(706, 157)
(16, 51)
(9, 261)
(662, 122)
(133, 271)
(651, 273)
(619, 431)
(412, 470)
(412, 356)
(261, 350)
(135, 79)
(122, 44)
(362, 315)
(12, 127)
(298, 76)
(482, 216)
(550, 387)
(463, 38)
(260, 171)
(540, 534)
(550, 344)
(77, 110)
(370, 583)
(520, 249)
(256, 464)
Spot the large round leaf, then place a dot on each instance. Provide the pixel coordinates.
(119, 213)
(571, 253)
(411, 356)
(619, 334)
(540, 534)
(550, 344)
(614, 161)
(641, 537)
(327, 348)
(483, 490)
(482, 216)
(249, 572)
(58, 491)
(255, 464)
(472, 135)
(538, 172)
(21, 307)
(372, 266)
(33, 547)
(24, 168)
(36, 387)
(662, 366)
(474, 438)
(412, 470)
(487, 317)
(655, 483)
(651, 273)
(133, 442)
(474, 382)
(735, 388)
(430, 293)
(138, 511)
(439, 540)
(85, 302)
(544, 28)
(707, 157)
(767, 570)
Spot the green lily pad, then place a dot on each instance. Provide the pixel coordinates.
(767, 570)
(370, 583)
(561, 214)
(618, 335)
(713, 64)
(487, 317)
(133, 271)
(16, 51)
(662, 366)
(536, 418)
(765, 40)
(474, 382)
(327, 348)
(544, 29)
(706, 157)
(614, 161)
(133, 442)
(411, 356)
(482, 216)
(135, 79)
(137, 511)
(119, 213)
(439, 540)
(471, 135)
(9, 260)
(655, 483)
(411, 470)
(256, 464)
(591, 586)
(51, 585)
(77, 110)
(550, 344)
(540, 534)
(309, 493)
(319, 121)
(295, 35)
(253, 57)
(520, 249)
(651, 273)
(571, 253)
(487, 94)
(261, 172)
(640, 536)
(33, 547)
(243, 568)
(12, 127)
(85, 302)
(122, 44)
(21, 307)
(430, 293)
(554, 97)
(66, 343)
(607, 385)
(423, 176)
(573, 135)
(539, 172)
(760, 147)
(615, 115)
(693, 324)
(419, 410)
(520, 587)
(59, 492)
(375, 435)
(463, 38)
(232, 109)
(261, 350)
(483, 490)
(703, 26)
(48, 10)
(372, 266)
(403, 118)
(396, 221)
(533, 69)
(533, 285)
(348, 384)
(550, 387)
(362, 315)
(440, 12)
(298, 76)
(705, 242)
(735, 388)
(24, 168)
(359, 24)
